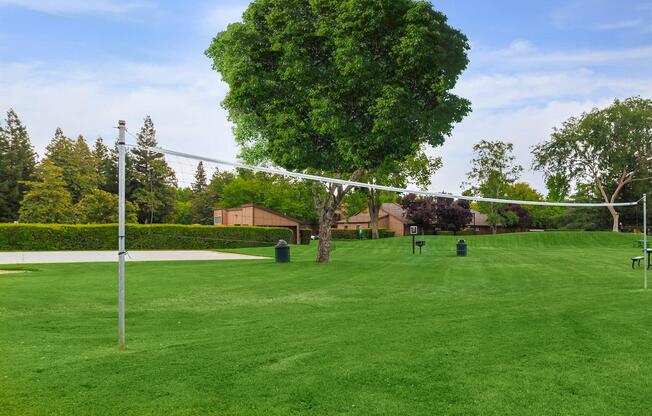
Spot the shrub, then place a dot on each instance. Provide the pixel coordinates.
(467, 231)
(353, 234)
(305, 235)
(445, 232)
(139, 237)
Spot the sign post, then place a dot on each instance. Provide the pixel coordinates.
(413, 231)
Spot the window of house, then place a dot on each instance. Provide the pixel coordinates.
(218, 220)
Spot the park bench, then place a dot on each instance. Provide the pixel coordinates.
(636, 259)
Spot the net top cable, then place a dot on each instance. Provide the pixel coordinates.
(344, 182)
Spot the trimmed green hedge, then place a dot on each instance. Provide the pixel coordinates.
(305, 235)
(19, 237)
(353, 234)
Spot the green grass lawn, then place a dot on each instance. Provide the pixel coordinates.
(537, 323)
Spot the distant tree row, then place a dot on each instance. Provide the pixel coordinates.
(77, 183)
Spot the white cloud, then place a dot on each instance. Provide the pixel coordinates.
(524, 127)
(524, 54)
(218, 18)
(521, 105)
(520, 46)
(501, 90)
(621, 24)
(59, 7)
(183, 101)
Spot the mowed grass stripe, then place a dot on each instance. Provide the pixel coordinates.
(533, 323)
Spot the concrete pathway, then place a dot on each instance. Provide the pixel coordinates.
(22, 257)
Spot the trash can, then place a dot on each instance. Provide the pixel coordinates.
(461, 248)
(282, 251)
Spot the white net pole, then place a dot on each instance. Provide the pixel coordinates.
(121, 234)
(645, 262)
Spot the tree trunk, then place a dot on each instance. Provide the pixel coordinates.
(623, 180)
(326, 204)
(324, 243)
(615, 216)
(373, 203)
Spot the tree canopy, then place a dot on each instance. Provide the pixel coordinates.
(48, 200)
(493, 171)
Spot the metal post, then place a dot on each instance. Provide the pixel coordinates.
(121, 234)
(645, 241)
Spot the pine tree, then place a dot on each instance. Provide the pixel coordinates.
(200, 179)
(17, 164)
(5, 210)
(48, 200)
(77, 161)
(59, 149)
(112, 174)
(154, 179)
(104, 166)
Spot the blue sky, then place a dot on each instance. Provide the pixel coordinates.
(83, 64)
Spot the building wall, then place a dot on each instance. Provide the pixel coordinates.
(254, 216)
(234, 216)
(264, 217)
(386, 221)
(395, 225)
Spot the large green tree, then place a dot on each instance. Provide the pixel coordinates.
(154, 180)
(339, 87)
(48, 200)
(17, 165)
(608, 147)
(493, 171)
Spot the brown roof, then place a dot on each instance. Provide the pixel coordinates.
(386, 209)
(361, 217)
(396, 211)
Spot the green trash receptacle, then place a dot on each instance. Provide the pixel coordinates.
(461, 248)
(282, 251)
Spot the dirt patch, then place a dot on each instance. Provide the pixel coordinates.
(13, 271)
